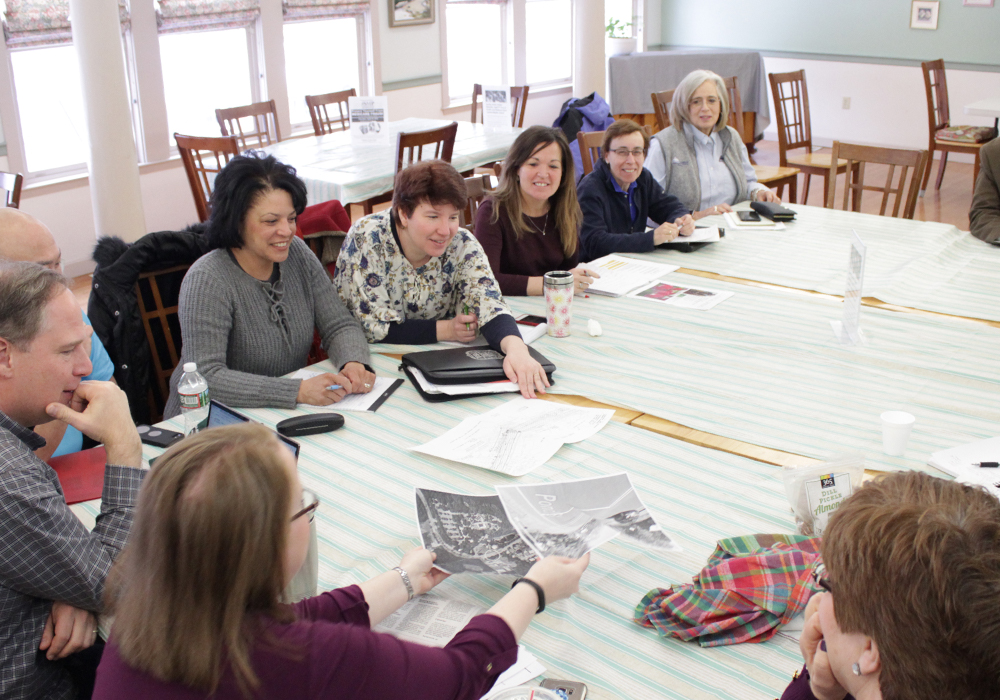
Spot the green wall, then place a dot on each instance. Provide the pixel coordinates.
(859, 28)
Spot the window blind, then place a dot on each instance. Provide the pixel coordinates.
(318, 9)
(28, 23)
(192, 15)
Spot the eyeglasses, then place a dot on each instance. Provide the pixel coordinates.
(310, 502)
(624, 152)
(821, 578)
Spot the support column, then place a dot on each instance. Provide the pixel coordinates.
(113, 165)
(588, 47)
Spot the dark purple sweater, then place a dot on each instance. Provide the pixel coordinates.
(799, 688)
(341, 657)
(514, 260)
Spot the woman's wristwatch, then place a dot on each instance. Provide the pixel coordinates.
(538, 590)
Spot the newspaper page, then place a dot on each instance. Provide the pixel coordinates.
(369, 119)
(471, 534)
(496, 108)
(570, 518)
(429, 619)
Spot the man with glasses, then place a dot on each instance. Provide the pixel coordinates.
(620, 195)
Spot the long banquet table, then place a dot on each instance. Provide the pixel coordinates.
(334, 167)
(762, 367)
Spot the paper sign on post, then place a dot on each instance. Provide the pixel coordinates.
(848, 330)
(369, 119)
(496, 108)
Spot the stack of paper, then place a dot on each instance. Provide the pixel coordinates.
(961, 463)
(430, 387)
(526, 668)
(702, 234)
(620, 275)
(518, 436)
(764, 224)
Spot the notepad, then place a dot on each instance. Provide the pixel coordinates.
(958, 462)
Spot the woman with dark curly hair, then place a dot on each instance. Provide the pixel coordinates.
(249, 308)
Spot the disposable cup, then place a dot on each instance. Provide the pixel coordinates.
(896, 426)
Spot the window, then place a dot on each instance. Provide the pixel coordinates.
(548, 41)
(203, 72)
(320, 57)
(475, 46)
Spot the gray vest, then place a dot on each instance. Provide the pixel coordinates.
(681, 165)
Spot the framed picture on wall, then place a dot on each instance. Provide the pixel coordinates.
(924, 14)
(403, 13)
(978, 3)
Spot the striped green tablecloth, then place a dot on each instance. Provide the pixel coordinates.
(924, 265)
(335, 168)
(365, 473)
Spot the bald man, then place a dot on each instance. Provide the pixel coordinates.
(23, 238)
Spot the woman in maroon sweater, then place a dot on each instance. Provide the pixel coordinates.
(912, 608)
(221, 527)
(531, 225)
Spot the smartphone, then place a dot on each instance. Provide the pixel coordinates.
(531, 320)
(573, 690)
(158, 437)
(748, 215)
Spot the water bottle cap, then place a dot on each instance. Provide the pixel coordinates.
(190, 367)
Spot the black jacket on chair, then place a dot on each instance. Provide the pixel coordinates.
(607, 222)
(114, 306)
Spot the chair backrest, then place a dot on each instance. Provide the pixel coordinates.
(158, 292)
(518, 102)
(661, 107)
(858, 156)
(937, 95)
(319, 112)
(736, 109)
(590, 147)
(203, 158)
(791, 109)
(11, 183)
(253, 125)
(478, 188)
(410, 146)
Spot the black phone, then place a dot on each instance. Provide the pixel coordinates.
(748, 215)
(531, 320)
(158, 437)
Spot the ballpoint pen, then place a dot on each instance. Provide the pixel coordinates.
(988, 465)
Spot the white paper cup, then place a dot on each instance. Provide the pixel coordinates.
(896, 426)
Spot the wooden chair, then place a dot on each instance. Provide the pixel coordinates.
(158, 292)
(323, 123)
(590, 147)
(661, 107)
(518, 102)
(938, 118)
(262, 115)
(11, 183)
(203, 158)
(410, 146)
(791, 108)
(478, 187)
(858, 156)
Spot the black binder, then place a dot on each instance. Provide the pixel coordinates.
(466, 365)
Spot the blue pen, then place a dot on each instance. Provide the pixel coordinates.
(334, 387)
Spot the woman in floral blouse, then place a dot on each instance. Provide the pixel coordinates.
(411, 275)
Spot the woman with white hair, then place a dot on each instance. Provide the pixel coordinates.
(699, 159)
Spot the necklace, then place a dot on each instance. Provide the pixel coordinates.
(544, 225)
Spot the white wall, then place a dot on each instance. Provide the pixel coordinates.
(888, 103)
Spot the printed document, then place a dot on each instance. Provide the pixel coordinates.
(518, 436)
(683, 296)
(620, 275)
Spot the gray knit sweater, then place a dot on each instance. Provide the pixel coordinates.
(244, 334)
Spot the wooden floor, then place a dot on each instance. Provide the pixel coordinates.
(949, 205)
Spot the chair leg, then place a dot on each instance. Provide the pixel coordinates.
(805, 193)
(927, 170)
(793, 188)
(944, 162)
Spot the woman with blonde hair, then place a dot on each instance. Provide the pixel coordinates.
(221, 527)
(531, 224)
(699, 159)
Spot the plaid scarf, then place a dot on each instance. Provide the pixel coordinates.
(751, 586)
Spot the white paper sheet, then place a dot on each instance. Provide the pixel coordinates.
(526, 668)
(620, 275)
(706, 234)
(462, 389)
(765, 224)
(517, 437)
(958, 462)
(351, 402)
(683, 296)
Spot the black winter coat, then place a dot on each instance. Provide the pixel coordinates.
(114, 307)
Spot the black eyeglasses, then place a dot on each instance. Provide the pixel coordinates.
(310, 502)
(821, 578)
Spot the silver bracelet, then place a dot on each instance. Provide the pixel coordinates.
(406, 581)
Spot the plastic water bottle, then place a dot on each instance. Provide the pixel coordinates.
(193, 393)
